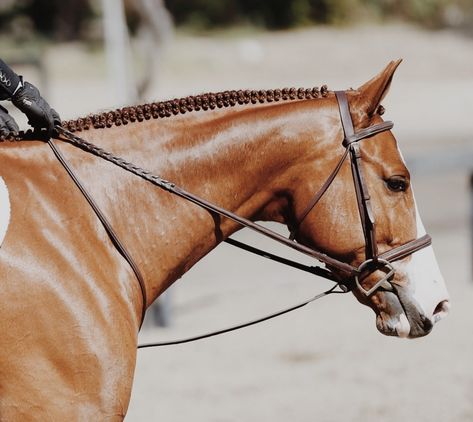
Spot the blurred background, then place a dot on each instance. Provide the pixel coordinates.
(325, 362)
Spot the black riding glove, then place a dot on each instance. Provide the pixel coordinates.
(40, 114)
(8, 125)
(10, 82)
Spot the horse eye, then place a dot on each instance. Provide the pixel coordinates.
(397, 184)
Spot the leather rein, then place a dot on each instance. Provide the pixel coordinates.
(343, 274)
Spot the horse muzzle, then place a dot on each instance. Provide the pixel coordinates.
(400, 310)
(403, 318)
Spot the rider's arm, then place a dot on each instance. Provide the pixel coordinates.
(10, 82)
(27, 98)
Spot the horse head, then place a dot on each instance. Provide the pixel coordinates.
(416, 296)
(326, 165)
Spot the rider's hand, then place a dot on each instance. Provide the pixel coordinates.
(8, 125)
(40, 114)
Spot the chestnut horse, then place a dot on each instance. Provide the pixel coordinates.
(71, 305)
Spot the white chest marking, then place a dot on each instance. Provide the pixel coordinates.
(4, 210)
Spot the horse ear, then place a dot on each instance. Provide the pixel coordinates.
(373, 92)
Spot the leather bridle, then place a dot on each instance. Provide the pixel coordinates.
(345, 275)
(373, 260)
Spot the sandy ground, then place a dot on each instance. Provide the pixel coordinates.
(325, 362)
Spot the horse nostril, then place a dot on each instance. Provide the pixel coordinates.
(427, 325)
(441, 310)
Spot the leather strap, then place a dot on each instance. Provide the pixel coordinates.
(106, 224)
(368, 132)
(362, 194)
(345, 116)
(244, 325)
(319, 271)
(318, 195)
(403, 251)
(363, 200)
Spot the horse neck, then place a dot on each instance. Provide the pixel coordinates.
(242, 160)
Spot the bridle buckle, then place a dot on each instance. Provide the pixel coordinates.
(380, 264)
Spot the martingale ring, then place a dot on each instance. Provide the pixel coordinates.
(379, 283)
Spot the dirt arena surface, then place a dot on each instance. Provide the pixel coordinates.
(325, 362)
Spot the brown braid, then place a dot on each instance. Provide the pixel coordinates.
(209, 101)
(163, 109)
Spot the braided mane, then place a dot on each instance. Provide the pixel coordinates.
(209, 101)
(163, 109)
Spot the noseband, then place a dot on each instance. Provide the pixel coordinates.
(342, 273)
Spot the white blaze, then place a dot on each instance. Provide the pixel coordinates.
(4, 210)
(424, 274)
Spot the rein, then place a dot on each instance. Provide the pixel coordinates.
(246, 324)
(336, 270)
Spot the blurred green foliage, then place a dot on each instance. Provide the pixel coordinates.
(279, 14)
(66, 19)
(60, 19)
